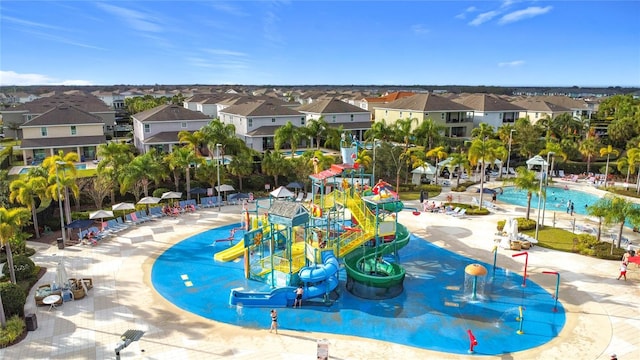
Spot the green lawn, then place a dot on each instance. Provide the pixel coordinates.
(563, 240)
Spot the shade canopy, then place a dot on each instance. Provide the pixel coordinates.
(149, 200)
(426, 169)
(281, 192)
(536, 160)
(198, 191)
(225, 188)
(123, 206)
(100, 214)
(79, 224)
(171, 195)
(295, 185)
(238, 196)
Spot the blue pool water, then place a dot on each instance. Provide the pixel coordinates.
(26, 169)
(299, 152)
(432, 313)
(557, 199)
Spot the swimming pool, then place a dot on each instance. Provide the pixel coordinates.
(557, 199)
(25, 170)
(432, 312)
(300, 152)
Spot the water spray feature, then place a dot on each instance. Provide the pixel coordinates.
(474, 270)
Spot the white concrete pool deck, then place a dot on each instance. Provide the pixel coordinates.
(603, 314)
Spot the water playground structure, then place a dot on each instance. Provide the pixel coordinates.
(293, 243)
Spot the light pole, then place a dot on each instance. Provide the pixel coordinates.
(509, 156)
(62, 230)
(218, 171)
(545, 167)
(373, 175)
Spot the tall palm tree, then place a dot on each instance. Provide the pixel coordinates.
(429, 132)
(403, 133)
(317, 129)
(556, 149)
(438, 154)
(25, 192)
(274, 164)
(588, 148)
(618, 210)
(193, 139)
(525, 180)
(217, 132)
(459, 161)
(62, 167)
(10, 221)
(608, 151)
(635, 155)
(484, 151)
(114, 156)
(144, 168)
(181, 158)
(241, 165)
(288, 134)
(379, 130)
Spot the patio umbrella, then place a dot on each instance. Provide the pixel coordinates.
(224, 188)
(79, 224)
(295, 185)
(101, 214)
(238, 196)
(198, 191)
(281, 192)
(171, 195)
(149, 200)
(123, 206)
(61, 275)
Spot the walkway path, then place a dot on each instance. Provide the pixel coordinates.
(602, 313)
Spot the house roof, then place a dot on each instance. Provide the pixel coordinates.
(169, 112)
(538, 105)
(67, 141)
(358, 125)
(424, 102)
(390, 97)
(485, 102)
(163, 138)
(330, 106)
(563, 101)
(64, 115)
(260, 108)
(264, 131)
(85, 102)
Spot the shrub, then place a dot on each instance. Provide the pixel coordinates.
(13, 299)
(431, 188)
(460, 188)
(15, 328)
(23, 266)
(523, 224)
(501, 224)
(159, 191)
(474, 210)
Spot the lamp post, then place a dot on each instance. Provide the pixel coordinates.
(509, 156)
(218, 171)
(373, 175)
(543, 173)
(62, 230)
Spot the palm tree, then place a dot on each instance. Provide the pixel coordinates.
(635, 155)
(618, 210)
(379, 130)
(194, 139)
(430, 132)
(556, 149)
(525, 180)
(274, 164)
(485, 151)
(403, 134)
(10, 221)
(216, 132)
(460, 162)
(113, 157)
(61, 167)
(182, 158)
(144, 168)
(598, 209)
(288, 134)
(241, 165)
(317, 129)
(588, 148)
(364, 159)
(25, 192)
(608, 151)
(437, 153)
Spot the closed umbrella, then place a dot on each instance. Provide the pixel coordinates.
(61, 275)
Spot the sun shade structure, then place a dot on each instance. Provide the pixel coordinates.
(149, 200)
(281, 192)
(123, 206)
(225, 188)
(100, 214)
(171, 195)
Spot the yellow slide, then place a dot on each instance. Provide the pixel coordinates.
(231, 253)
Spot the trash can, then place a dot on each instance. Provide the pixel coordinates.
(60, 244)
(31, 321)
(323, 349)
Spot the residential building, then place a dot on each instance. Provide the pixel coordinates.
(339, 113)
(257, 121)
(579, 108)
(490, 109)
(455, 118)
(370, 102)
(536, 110)
(159, 127)
(63, 128)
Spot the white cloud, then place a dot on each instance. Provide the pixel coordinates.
(225, 52)
(419, 29)
(136, 19)
(227, 8)
(29, 23)
(515, 63)
(484, 17)
(9, 78)
(524, 14)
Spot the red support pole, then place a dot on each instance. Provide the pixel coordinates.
(472, 341)
(526, 262)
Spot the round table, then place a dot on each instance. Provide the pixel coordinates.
(51, 300)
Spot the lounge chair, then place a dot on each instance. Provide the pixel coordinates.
(460, 213)
(453, 212)
(309, 197)
(300, 196)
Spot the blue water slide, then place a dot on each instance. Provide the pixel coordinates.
(322, 276)
(279, 297)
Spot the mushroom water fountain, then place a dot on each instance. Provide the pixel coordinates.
(472, 272)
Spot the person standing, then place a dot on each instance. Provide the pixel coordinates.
(623, 271)
(274, 321)
(571, 208)
(298, 301)
(568, 205)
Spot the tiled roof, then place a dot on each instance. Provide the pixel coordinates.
(542, 106)
(64, 115)
(424, 102)
(67, 141)
(163, 138)
(484, 102)
(86, 102)
(390, 97)
(264, 131)
(563, 101)
(169, 112)
(260, 108)
(359, 125)
(330, 106)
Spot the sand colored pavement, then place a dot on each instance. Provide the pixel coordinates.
(603, 314)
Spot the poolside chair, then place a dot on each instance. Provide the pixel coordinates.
(309, 197)
(300, 196)
(453, 212)
(460, 213)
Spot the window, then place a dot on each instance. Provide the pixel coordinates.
(73, 130)
(43, 131)
(333, 118)
(147, 128)
(400, 115)
(441, 116)
(273, 120)
(302, 121)
(250, 122)
(183, 124)
(351, 116)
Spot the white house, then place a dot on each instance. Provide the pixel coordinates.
(490, 109)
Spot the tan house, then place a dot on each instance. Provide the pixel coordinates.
(339, 113)
(457, 119)
(490, 109)
(63, 128)
(536, 109)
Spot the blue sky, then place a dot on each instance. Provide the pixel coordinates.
(504, 43)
